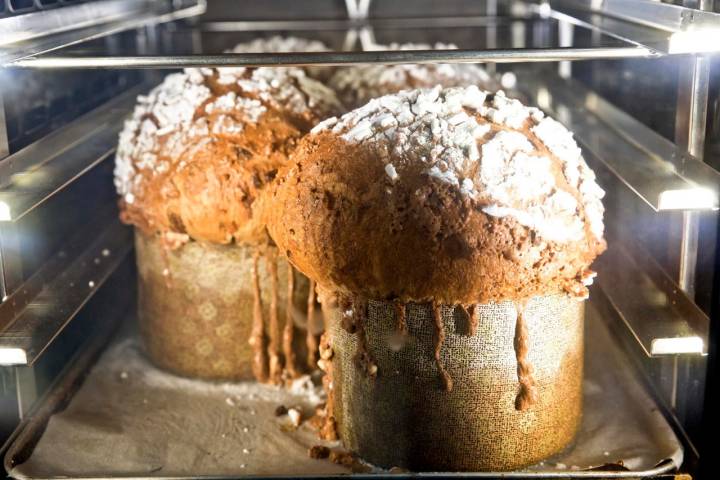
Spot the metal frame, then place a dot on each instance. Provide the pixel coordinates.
(34, 174)
(49, 30)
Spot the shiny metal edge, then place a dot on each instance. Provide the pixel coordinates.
(651, 13)
(90, 31)
(342, 24)
(48, 22)
(386, 57)
(42, 169)
(63, 294)
(665, 467)
(24, 437)
(654, 168)
(564, 11)
(657, 313)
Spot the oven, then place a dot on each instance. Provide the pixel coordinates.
(636, 81)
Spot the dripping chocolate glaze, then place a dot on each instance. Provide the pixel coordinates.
(439, 339)
(257, 335)
(474, 316)
(363, 359)
(289, 329)
(401, 315)
(527, 395)
(310, 339)
(275, 365)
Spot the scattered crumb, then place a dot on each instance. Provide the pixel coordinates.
(245, 451)
(607, 454)
(319, 451)
(246, 429)
(124, 375)
(342, 458)
(229, 401)
(281, 410)
(560, 466)
(295, 416)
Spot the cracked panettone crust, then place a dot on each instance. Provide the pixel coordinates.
(453, 196)
(199, 148)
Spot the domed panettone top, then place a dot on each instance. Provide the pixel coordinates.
(453, 196)
(197, 150)
(357, 85)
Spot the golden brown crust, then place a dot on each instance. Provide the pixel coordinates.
(214, 167)
(332, 215)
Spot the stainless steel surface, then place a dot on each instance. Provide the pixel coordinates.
(690, 128)
(646, 162)
(54, 294)
(44, 31)
(67, 381)
(40, 170)
(689, 252)
(662, 318)
(663, 16)
(386, 57)
(4, 146)
(11, 270)
(667, 28)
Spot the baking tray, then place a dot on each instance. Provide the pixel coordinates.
(128, 419)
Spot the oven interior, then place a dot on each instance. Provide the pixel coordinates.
(636, 81)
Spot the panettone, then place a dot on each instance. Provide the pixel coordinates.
(454, 196)
(454, 230)
(191, 161)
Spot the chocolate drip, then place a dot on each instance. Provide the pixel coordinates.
(310, 339)
(474, 316)
(528, 394)
(347, 315)
(401, 315)
(363, 359)
(328, 426)
(439, 339)
(275, 365)
(289, 326)
(257, 335)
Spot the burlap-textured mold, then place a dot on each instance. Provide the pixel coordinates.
(196, 306)
(404, 417)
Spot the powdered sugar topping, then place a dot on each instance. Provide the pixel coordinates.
(485, 146)
(183, 109)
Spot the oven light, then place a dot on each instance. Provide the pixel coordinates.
(670, 346)
(5, 212)
(688, 199)
(12, 356)
(693, 41)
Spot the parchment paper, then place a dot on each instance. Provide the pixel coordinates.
(132, 419)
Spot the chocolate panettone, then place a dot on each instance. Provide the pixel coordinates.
(456, 228)
(191, 161)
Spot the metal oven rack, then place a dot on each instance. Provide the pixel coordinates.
(663, 325)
